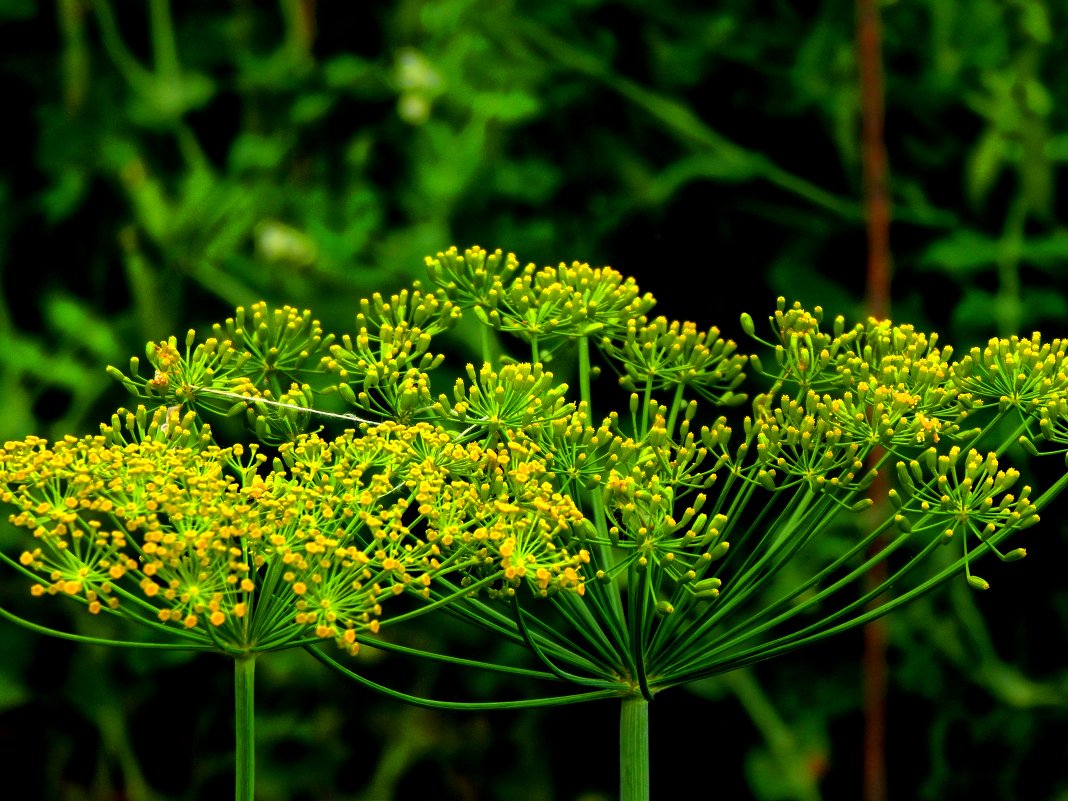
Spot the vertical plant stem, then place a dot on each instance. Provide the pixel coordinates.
(244, 727)
(877, 216)
(634, 749)
(164, 45)
(1008, 305)
(486, 345)
(875, 162)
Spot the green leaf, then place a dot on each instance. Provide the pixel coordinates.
(311, 107)
(30, 357)
(254, 151)
(76, 321)
(345, 70)
(984, 164)
(506, 106)
(962, 254)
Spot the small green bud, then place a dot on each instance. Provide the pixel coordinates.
(347, 393)
(905, 479)
(718, 552)
(584, 528)
(1029, 446)
(613, 535)
(978, 583)
(707, 584)
(916, 470)
(747, 325)
(1028, 521)
(862, 504)
(765, 479)
(663, 608)
(707, 588)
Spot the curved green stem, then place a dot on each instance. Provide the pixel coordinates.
(431, 656)
(532, 644)
(430, 703)
(87, 640)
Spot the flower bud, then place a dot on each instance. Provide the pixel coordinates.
(747, 325)
(978, 583)
(347, 393)
(1029, 446)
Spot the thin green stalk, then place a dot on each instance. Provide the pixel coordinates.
(637, 584)
(602, 610)
(817, 630)
(486, 345)
(83, 638)
(634, 749)
(164, 47)
(139, 78)
(781, 742)
(679, 120)
(432, 656)
(577, 612)
(750, 628)
(474, 611)
(244, 727)
(563, 675)
(429, 703)
(676, 406)
(617, 619)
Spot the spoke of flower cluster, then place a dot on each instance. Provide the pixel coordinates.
(691, 530)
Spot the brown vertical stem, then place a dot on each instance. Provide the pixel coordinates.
(876, 171)
(877, 217)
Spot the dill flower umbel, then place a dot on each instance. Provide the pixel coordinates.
(151, 521)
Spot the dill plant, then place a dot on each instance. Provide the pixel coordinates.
(693, 531)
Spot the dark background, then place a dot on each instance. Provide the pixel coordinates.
(168, 161)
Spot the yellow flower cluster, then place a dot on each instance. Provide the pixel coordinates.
(662, 354)
(156, 523)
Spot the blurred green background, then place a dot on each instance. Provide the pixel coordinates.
(167, 161)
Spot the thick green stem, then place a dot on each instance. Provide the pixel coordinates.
(244, 727)
(634, 749)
